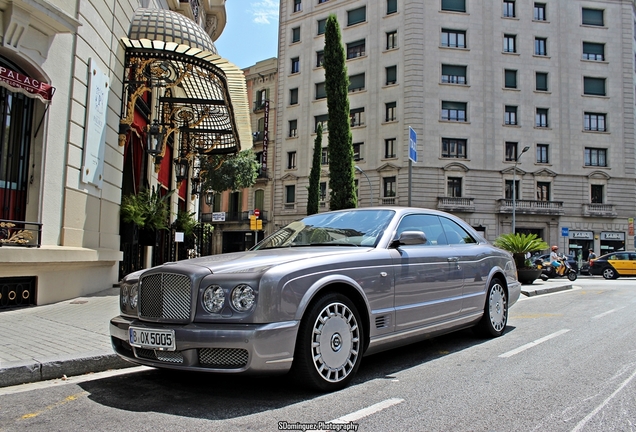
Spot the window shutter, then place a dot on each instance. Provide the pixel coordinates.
(454, 70)
(594, 86)
(454, 5)
(357, 16)
(511, 78)
(593, 48)
(593, 17)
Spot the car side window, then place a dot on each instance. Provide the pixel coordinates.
(429, 224)
(632, 256)
(455, 233)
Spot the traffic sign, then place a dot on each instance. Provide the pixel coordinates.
(412, 145)
(257, 212)
(565, 231)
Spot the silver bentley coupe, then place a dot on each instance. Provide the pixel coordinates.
(316, 296)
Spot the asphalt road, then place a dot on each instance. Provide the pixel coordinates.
(567, 362)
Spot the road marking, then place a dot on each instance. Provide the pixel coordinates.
(607, 313)
(365, 412)
(533, 344)
(588, 417)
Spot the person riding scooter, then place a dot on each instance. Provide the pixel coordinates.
(556, 261)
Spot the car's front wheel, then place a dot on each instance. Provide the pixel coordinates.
(493, 322)
(609, 273)
(329, 344)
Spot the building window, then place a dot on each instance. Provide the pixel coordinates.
(321, 120)
(510, 117)
(293, 96)
(540, 46)
(324, 157)
(391, 40)
(595, 157)
(594, 86)
(542, 153)
(291, 160)
(452, 74)
(356, 49)
(322, 1)
(356, 16)
(391, 7)
(323, 191)
(595, 122)
(322, 23)
(391, 75)
(593, 51)
(597, 194)
(390, 111)
(509, 9)
(357, 151)
(541, 118)
(295, 65)
(539, 12)
(297, 5)
(290, 194)
(592, 17)
(389, 186)
(541, 81)
(543, 191)
(321, 91)
(296, 34)
(454, 148)
(454, 5)
(453, 38)
(454, 187)
(293, 128)
(356, 82)
(320, 58)
(356, 117)
(509, 43)
(454, 111)
(510, 78)
(511, 151)
(261, 97)
(508, 189)
(389, 148)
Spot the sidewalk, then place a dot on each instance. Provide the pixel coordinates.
(72, 337)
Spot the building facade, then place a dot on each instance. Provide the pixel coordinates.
(81, 84)
(530, 103)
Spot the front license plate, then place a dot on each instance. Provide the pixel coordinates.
(150, 338)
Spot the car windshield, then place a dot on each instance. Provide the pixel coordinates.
(344, 228)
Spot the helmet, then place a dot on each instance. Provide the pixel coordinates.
(555, 247)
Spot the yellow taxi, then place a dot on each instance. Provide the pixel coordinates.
(614, 264)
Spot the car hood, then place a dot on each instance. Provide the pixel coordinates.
(261, 260)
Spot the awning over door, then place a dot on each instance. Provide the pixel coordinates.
(17, 82)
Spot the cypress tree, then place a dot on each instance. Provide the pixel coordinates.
(313, 201)
(341, 166)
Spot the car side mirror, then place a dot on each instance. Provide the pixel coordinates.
(408, 238)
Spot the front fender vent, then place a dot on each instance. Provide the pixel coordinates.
(383, 321)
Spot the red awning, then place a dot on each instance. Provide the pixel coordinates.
(28, 86)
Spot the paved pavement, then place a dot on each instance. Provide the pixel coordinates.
(72, 337)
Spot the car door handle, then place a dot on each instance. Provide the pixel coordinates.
(453, 259)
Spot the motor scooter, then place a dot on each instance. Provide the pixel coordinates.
(548, 271)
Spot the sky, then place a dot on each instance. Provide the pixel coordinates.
(251, 32)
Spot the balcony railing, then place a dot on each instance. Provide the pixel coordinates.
(18, 233)
(259, 106)
(532, 207)
(389, 201)
(599, 210)
(233, 217)
(455, 204)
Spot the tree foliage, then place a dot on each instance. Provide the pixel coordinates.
(229, 172)
(313, 200)
(341, 166)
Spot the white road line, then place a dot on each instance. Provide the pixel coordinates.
(588, 417)
(533, 344)
(365, 412)
(606, 313)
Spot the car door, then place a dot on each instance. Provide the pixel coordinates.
(632, 263)
(428, 283)
(620, 262)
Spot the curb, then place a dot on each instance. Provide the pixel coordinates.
(22, 372)
(531, 291)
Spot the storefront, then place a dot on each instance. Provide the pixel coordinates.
(579, 244)
(612, 241)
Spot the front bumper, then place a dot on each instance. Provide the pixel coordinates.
(223, 348)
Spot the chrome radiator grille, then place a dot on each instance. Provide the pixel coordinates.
(165, 295)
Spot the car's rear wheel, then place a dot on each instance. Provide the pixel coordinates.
(493, 322)
(329, 344)
(609, 273)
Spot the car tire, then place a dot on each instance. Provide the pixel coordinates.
(329, 344)
(493, 322)
(609, 273)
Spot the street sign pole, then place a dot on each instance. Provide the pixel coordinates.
(412, 158)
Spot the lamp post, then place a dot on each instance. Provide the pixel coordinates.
(370, 187)
(514, 188)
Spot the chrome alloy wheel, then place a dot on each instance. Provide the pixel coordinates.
(497, 309)
(335, 344)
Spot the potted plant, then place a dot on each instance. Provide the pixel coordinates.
(147, 210)
(519, 245)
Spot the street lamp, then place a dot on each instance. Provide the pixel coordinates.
(370, 188)
(514, 187)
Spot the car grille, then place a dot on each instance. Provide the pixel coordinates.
(165, 295)
(224, 358)
(164, 356)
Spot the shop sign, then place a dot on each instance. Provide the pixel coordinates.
(613, 236)
(582, 235)
(630, 226)
(96, 122)
(26, 85)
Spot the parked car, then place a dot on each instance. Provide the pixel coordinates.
(317, 295)
(614, 264)
(546, 259)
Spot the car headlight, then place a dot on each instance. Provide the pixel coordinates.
(213, 299)
(134, 296)
(124, 295)
(243, 297)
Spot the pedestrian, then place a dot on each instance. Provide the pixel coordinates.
(591, 255)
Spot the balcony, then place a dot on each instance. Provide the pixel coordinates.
(599, 210)
(554, 208)
(389, 201)
(19, 233)
(456, 205)
(258, 136)
(259, 106)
